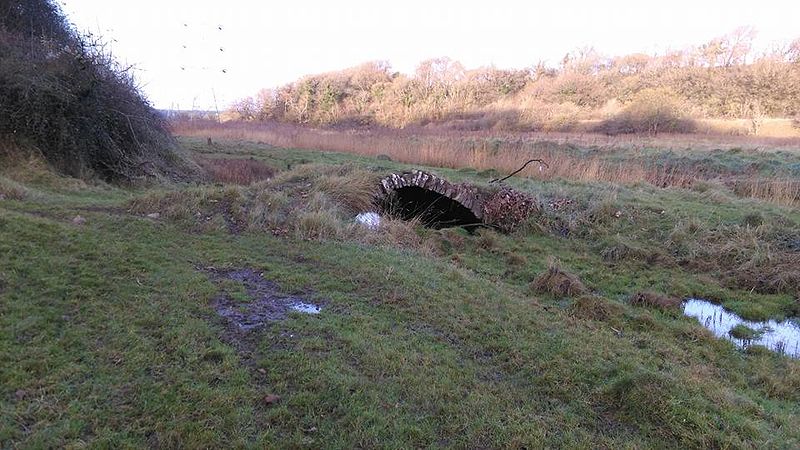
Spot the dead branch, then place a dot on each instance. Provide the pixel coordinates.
(520, 170)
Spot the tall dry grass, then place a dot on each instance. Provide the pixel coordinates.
(482, 151)
(235, 171)
(781, 191)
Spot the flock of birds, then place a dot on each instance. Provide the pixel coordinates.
(218, 49)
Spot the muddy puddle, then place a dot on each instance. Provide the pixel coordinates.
(780, 337)
(264, 301)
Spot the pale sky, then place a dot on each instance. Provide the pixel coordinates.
(175, 44)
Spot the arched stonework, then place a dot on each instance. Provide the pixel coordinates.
(467, 196)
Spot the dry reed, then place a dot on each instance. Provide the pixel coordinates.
(481, 151)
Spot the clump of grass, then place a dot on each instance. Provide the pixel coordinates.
(402, 234)
(515, 259)
(487, 239)
(780, 275)
(177, 205)
(749, 260)
(654, 300)
(591, 307)
(557, 281)
(741, 331)
(620, 251)
(672, 407)
(779, 380)
(11, 190)
(449, 240)
(317, 225)
(235, 170)
(352, 188)
(603, 211)
(752, 220)
(269, 210)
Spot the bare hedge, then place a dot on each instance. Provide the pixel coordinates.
(69, 99)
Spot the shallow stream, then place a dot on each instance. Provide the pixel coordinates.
(781, 337)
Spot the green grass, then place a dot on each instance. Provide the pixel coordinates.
(108, 337)
(744, 332)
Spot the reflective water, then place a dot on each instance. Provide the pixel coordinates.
(782, 337)
(306, 308)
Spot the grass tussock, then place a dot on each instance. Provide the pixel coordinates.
(402, 234)
(590, 307)
(781, 381)
(235, 170)
(201, 209)
(320, 224)
(671, 406)
(556, 281)
(742, 331)
(11, 190)
(352, 188)
(623, 250)
(755, 258)
(656, 300)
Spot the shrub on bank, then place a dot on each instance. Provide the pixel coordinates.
(63, 95)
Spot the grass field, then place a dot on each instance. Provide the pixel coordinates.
(109, 335)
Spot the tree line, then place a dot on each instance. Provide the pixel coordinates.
(724, 78)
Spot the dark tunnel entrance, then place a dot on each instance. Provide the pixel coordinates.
(433, 209)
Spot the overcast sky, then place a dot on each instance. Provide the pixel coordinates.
(187, 52)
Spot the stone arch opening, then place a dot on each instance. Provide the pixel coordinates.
(436, 202)
(433, 209)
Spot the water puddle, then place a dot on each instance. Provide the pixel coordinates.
(265, 302)
(306, 308)
(780, 337)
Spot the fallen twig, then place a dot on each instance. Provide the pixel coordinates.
(541, 162)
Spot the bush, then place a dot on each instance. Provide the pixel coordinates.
(651, 111)
(68, 98)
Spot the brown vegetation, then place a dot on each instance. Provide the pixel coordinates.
(557, 281)
(507, 209)
(505, 153)
(586, 91)
(235, 171)
(759, 258)
(311, 202)
(595, 308)
(654, 300)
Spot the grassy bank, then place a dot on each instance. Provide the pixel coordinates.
(110, 337)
